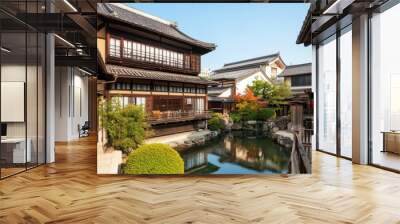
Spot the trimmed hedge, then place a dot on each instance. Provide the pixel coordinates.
(154, 159)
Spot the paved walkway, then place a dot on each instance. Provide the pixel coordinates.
(177, 139)
(108, 162)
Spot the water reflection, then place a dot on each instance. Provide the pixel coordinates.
(237, 154)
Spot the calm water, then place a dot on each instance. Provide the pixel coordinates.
(237, 154)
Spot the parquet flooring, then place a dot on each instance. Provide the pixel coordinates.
(69, 191)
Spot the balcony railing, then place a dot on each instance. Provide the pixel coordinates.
(163, 117)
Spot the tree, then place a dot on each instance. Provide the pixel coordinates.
(274, 94)
(216, 123)
(248, 100)
(248, 106)
(126, 127)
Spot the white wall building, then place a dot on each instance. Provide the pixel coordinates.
(234, 78)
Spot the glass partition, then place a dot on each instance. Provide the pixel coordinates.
(385, 89)
(14, 153)
(22, 101)
(346, 92)
(327, 95)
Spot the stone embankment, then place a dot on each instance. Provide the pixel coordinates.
(182, 141)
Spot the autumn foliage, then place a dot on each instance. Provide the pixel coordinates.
(249, 100)
(250, 107)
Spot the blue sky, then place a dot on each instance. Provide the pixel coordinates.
(241, 31)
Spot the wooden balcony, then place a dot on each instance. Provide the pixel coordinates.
(158, 117)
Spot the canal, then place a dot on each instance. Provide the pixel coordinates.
(237, 153)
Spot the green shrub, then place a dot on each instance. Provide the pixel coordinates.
(235, 117)
(125, 145)
(264, 114)
(216, 123)
(249, 115)
(154, 159)
(126, 127)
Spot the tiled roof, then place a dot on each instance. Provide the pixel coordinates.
(127, 72)
(235, 74)
(152, 23)
(299, 69)
(220, 99)
(304, 35)
(215, 91)
(249, 63)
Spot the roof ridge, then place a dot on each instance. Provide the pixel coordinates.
(178, 30)
(239, 68)
(142, 13)
(126, 14)
(296, 65)
(252, 59)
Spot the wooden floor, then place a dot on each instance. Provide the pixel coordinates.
(69, 191)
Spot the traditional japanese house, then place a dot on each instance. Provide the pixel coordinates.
(299, 78)
(150, 62)
(234, 78)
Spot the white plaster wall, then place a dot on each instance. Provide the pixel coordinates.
(70, 83)
(62, 81)
(14, 73)
(268, 70)
(226, 93)
(242, 85)
(79, 118)
(34, 125)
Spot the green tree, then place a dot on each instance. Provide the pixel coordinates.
(274, 94)
(126, 127)
(264, 114)
(247, 105)
(216, 122)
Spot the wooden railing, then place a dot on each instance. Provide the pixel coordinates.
(300, 158)
(157, 117)
(306, 137)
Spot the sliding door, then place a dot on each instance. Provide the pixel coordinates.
(327, 95)
(345, 60)
(385, 88)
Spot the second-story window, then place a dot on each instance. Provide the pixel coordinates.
(189, 89)
(175, 89)
(201, 90)
(148, 53)
(161, 87)
(187, 61)
(301, 80)
(115, 47)
(127, 49)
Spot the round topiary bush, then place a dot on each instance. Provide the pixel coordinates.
(154, 159)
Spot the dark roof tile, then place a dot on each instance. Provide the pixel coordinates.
(248, 63)
(299, 69)
(129, 16)
(127, 72)
(235, 74)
